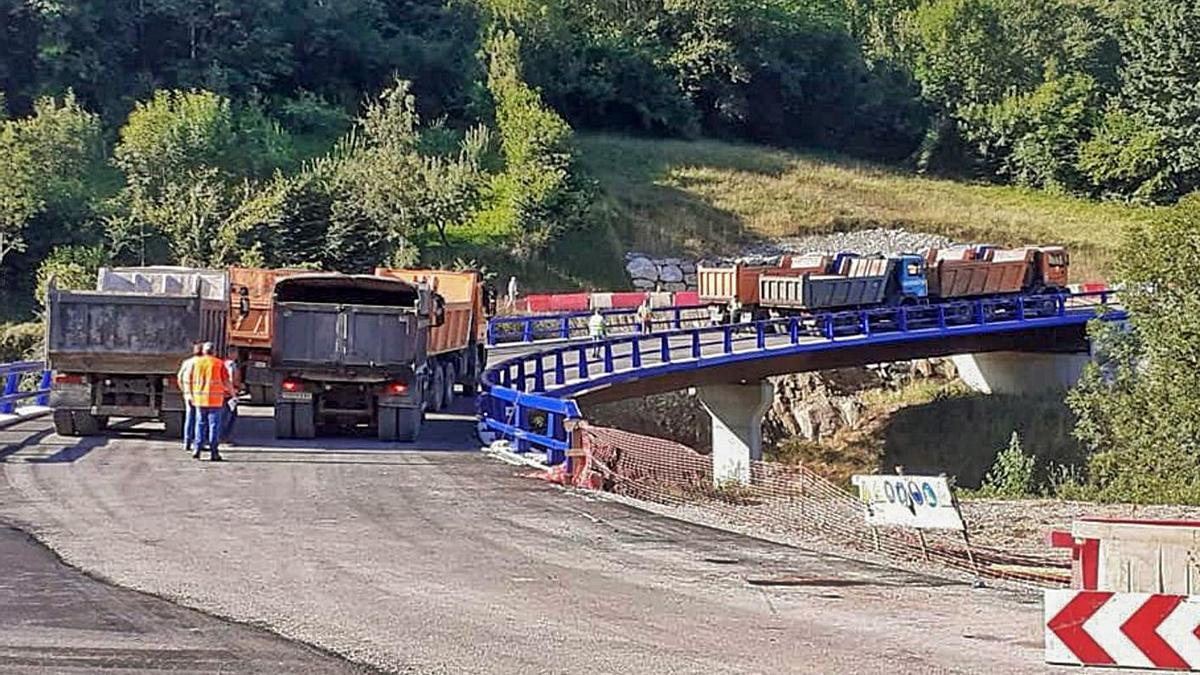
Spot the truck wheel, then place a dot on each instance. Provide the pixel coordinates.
(64, 423)
(399, 424)
(86, 424)
(173, 424)
(283, 420)
(437, 393)
(304, 423)
(450, 377)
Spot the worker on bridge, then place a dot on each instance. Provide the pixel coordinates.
(597, 330)
(211, 387)
(184, 378)
(645, 316)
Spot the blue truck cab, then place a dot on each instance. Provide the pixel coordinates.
(911, 283)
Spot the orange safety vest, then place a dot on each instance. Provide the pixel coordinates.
(210, 385)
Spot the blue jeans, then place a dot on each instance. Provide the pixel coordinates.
(228, 419)
(208, 428)
(189, 425)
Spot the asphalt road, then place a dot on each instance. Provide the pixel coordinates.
(436, 559)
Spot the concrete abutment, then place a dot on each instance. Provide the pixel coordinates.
(737, 412)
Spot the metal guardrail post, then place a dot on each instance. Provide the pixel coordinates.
(527, 331)
(1020, 308)
(696, 344)
(727, 340)
(11, 382)
(941, 317)
(583, 363)
(864, 324)
(678, 325)
(978, 313)
(564, 328)
(520, 379)
(44, 386)
(760, 337)
(608, 357)
(794, 330)
(560, 370)
(636, 354)
(491, 334)
(539, 376)
(902, 319)
(665, 348)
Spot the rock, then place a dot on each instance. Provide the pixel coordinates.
(688, 267)
(673, 262)
(674, 286)
(642, 268)
(670, 273)
(691, 280)
(644, 284)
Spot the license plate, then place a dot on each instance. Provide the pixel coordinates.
(295, 395)
(258, 364)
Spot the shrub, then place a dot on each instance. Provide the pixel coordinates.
(1011, 476)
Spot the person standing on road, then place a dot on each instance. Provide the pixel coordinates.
(715, 315)
(511, 302)
(645, 315)
(184, 378)
(597, 330)
(231, 406)
(211, 388)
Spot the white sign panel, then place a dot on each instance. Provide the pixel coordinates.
(923, 502)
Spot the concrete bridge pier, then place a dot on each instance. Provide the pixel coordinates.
(737, 414)
(1020, 372)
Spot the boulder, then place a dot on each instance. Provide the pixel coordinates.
(642, 268)
(644, 284)
(674, 286)
(670, 274)
(688, 267)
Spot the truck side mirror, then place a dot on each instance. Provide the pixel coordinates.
(438, 316)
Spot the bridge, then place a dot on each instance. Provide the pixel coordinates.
(530, 397)
(427, 557)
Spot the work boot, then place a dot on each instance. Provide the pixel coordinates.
(196, 454)
(216, 458)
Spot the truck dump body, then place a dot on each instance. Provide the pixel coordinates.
(349, 327)
(463, 292)
(253, 329)
(126, 333)
(998, 273)
(722, 284)
(824, 291)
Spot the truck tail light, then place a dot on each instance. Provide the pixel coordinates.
(292, 385)
(64, 378)
(397, 389)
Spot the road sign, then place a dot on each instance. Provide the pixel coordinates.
(923, 502)
(1130, 630)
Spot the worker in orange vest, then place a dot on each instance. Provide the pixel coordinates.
(210, 388)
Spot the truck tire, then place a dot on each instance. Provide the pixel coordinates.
(399, 424)
(449, 377)
(173, 424)
(283, 420)
(64, 423)
(304, 423)
(437, 389)
(86, 424)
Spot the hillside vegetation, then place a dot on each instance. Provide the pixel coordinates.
(709, 197)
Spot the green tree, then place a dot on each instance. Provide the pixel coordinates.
(1137, 410)
(72, 267)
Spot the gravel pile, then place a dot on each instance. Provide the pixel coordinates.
(880, 240)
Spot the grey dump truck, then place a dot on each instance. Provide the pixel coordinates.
(349, 351)
(115, 351)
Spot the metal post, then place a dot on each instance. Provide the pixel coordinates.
(827, 327)
(519, 422)
(979, 319)
(636, 344)
(794, 330)
(44, 399)
(491, 334)
(583, 363)
(727, 340)
(678, 319)
(560, 368)
(696, 344)
(864, 322)
(942, 317)
(608, 357)
(539, 376)
(564, 328)
(902, 319)
(527, 331)
(11, 383)
(665, 349)
(521, 375)
(761, 335)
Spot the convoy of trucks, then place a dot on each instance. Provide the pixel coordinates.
(115, 350)
(334, 351)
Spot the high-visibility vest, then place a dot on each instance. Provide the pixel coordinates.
(210, 383)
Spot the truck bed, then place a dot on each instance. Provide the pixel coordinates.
(971, 278)
(463, 294)
(815, 292)
(131, 333)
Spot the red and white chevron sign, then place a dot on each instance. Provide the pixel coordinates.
(1131, 630)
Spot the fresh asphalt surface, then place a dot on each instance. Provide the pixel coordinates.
(433, 559)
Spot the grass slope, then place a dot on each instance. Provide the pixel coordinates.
(706, 197)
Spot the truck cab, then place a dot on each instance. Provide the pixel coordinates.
(912, 285)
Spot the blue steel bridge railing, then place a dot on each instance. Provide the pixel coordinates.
(502, 330)
(13, 374)
(528, 398)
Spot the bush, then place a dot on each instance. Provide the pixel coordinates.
(21, 341)
(72, 267)
(1011, 476)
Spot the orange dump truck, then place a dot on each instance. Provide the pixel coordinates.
(958, 273)
(250, 299)
(456, 352)
(719, 285)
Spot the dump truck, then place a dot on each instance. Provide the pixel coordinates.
(864, 282)
(250, 298)
(115, 351)
(351, 350)
(720, 285)
(989, 272)
(456, 350)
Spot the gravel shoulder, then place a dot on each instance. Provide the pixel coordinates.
(435, 559)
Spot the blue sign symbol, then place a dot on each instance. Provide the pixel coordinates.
(930, 495)
(889, 492)
(917, 497)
